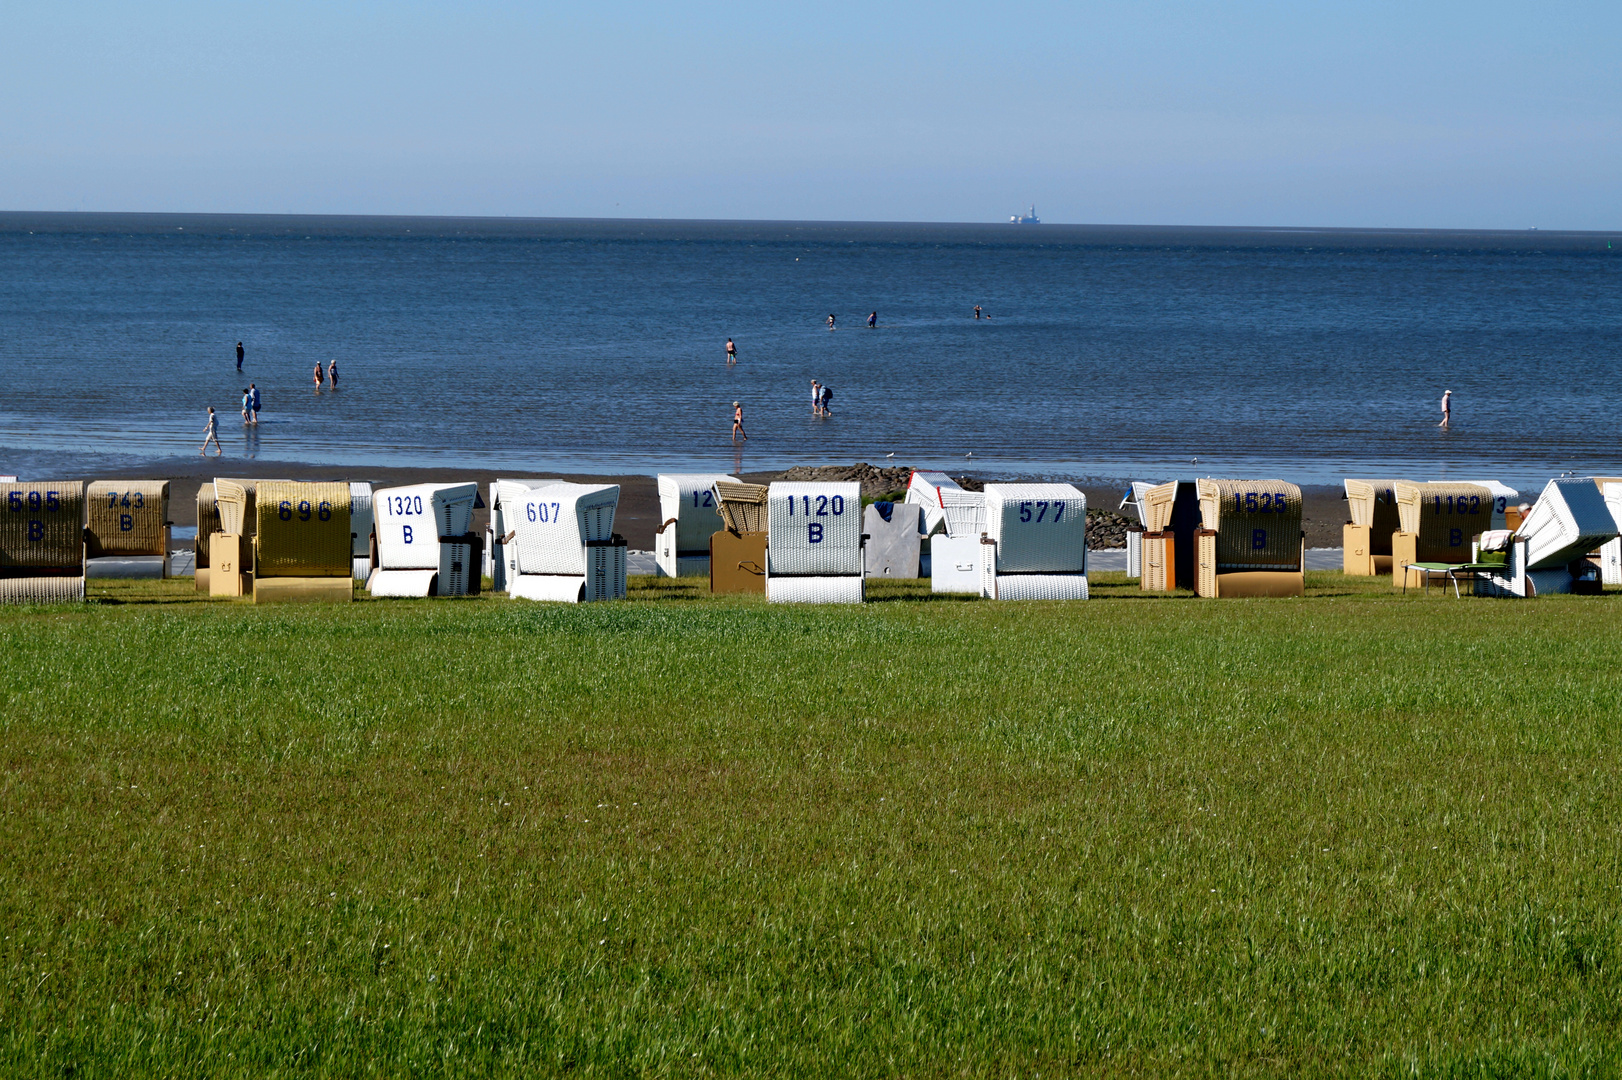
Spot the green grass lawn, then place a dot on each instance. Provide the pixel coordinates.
(1353, 834)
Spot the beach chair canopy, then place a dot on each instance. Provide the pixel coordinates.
(742, 506)
(1039, 528)
(127, 517)
(303, 529)
(553, 526)
(1257, 522)
(1373, 505)
(688, 504)
(42, 525)
(814, 529)
(411, 520)
(1569, 520)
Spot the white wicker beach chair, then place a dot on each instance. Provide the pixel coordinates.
(1611, 550)
(1035, 545)
(688, 515)
(360, 524)
(961, 513)
(814, 543)
(423, 542)
(1548, 552)
(501, 560)
(564, 545)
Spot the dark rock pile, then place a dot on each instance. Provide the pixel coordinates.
(1106, 529)
(874, 480)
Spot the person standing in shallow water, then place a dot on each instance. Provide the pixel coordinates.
(211, 434)
(332, 374)
(318, 374)
(732, 353)
(253, 388)
(1447, 409)
(737, 423)
(872, 320)
(239, 356)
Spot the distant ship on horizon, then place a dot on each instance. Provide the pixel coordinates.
(1026, 219)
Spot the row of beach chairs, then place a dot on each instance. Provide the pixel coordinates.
(280, 540)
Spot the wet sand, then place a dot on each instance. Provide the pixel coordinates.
(638, 514)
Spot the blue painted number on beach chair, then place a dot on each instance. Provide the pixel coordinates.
(708, 498)
(1041, 508)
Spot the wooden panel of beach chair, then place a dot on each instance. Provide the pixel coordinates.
(738, 562)
(127, 517)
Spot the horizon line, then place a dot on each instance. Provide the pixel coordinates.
(1023, 229)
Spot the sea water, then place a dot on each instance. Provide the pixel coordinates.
(1104, 353)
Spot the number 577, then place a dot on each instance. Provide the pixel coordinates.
(1042, 508)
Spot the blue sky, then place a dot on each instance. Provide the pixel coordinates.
(1448, 115)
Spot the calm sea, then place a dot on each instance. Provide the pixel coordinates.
(597, 346)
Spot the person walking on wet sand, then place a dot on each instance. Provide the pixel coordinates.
(253, 389)
(732, 353)
(239, 356)
(1447, 409)
(247, 405)
(332, 374)
(737, 423)
(318, 375)
(211, 434)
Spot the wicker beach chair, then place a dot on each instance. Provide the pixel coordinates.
(738, 548)
(1371, 507)
(814, 544)
(1170, 514)
(1035, 545)
(1610, 552)
(127, 529)
(1250, 542)
(360, 528)
(1439, 520)
(303, 547)
(688, 512)
(42, 542)
(1549, 551)
(564, 544)
(742, 506)
(425, 546)
(505, 495)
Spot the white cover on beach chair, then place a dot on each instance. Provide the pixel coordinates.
(1570, 520)
(814, 530)
(682, 547)
(1134, 497)
(411, 522)
(501, 559)
(1035, 546)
